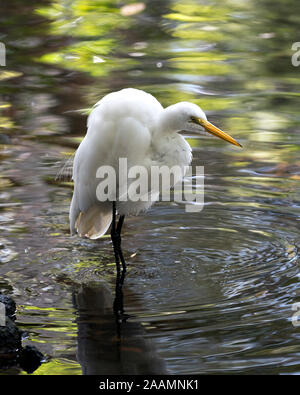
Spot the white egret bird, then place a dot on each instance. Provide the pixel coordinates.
(129, 124)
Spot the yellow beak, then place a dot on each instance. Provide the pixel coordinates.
(212, 129)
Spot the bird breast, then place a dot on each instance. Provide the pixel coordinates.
(171, 150)
(119, 128)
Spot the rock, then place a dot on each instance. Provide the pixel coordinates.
(30, 358)
(10, 306)
(12, 354)
(10, 343)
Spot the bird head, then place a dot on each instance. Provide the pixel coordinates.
(189, 117)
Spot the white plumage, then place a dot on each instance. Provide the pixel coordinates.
(128, 124)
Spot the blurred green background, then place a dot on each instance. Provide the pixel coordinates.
(210, 293)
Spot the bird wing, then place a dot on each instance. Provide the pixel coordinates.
(88, 216)
(65, 169)
(120, 126)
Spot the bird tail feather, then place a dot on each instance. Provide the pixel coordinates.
(93, 223)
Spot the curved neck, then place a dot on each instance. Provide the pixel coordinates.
(167, 121)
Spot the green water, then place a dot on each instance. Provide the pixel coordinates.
(209, 292)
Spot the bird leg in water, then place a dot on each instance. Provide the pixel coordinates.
(118, 305)
(119, 229)
(116, 239)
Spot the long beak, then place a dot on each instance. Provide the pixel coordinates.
(212, 129)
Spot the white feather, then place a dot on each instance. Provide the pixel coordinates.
(128, 124)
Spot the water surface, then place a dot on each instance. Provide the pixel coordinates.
(208, 292)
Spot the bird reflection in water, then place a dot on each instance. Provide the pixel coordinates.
(118, 305)
(109, 341)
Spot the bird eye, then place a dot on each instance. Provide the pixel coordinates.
(193, 119)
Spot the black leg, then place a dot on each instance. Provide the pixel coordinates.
(118, 302)
(115, 238)
(119, 229)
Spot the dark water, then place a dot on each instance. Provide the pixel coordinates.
(210, 292)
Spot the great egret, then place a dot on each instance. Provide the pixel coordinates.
(129, 124)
